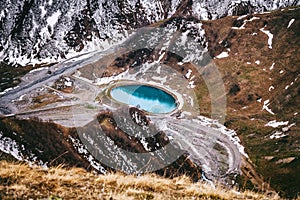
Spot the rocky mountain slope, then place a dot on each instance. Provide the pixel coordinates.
(261, 76)
(50, 31)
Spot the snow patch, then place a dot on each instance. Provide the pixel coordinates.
(271, 88)
(222, 55)
(277, 135)
(9, 146)
(191, 85)
(184, 38)
(43, 11)
(253, 18)
(8, 89)
(145, 144)
(272, 67)
(188, 74)
(68, 83)
(241, 17)
(259, 100)
(239, 28)
(38, 69)
(52, 20)
(245, 107)
(82, 150)
(287, 128)
(245, 22)
(270, 36)
(290, 23)
(275, 124)
(21, 98)
(266, 107)
(2, 14)
(257, 62)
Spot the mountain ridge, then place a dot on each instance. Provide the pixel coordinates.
(45, 32)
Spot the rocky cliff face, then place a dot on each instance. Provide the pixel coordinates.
(49, 31)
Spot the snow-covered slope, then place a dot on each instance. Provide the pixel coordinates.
(49, 31)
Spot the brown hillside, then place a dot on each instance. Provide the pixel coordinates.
(251, 78)
(18, 181)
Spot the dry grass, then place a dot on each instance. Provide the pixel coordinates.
(19, 181)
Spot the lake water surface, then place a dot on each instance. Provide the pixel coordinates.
(145, 97)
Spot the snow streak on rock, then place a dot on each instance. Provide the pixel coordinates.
(222, 55)
(270, 36)
(275, 124)
(290, 23)
(9, 146)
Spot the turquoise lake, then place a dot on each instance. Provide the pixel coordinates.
(145, 97)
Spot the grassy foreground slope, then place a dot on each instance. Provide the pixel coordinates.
(19, 181)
